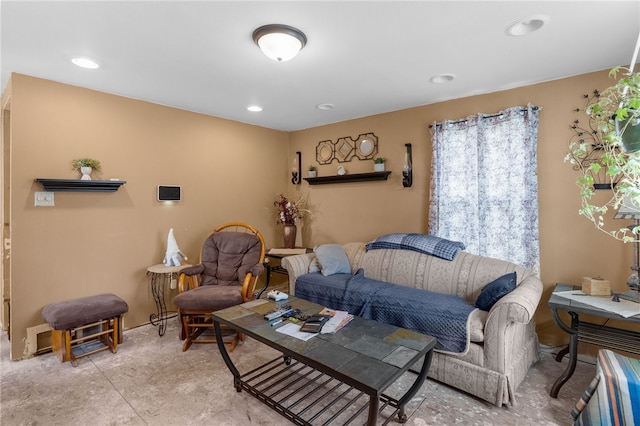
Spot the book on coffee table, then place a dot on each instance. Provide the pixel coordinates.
(338, 320)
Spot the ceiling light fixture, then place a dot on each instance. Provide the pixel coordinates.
(527, 25)
(325, 107)
(254, 108)
(279, 42)
(442, 78)
(85, 63)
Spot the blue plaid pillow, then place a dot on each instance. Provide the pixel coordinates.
(428, 244)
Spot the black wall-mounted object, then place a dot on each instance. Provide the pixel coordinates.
(407, 168)
(169, 193)
(77, 185)
(296, 170)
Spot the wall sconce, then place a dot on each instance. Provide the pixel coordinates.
(296, 172)
(407, 172)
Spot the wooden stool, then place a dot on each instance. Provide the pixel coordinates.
(80, 323)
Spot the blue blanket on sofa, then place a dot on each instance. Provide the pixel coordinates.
(442, 316)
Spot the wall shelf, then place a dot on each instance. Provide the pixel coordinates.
(357, 177)
(77, 185)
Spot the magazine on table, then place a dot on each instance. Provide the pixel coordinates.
(337, 320)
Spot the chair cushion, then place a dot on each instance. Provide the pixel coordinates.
(209, 298)
(86, 310)
(227, 256)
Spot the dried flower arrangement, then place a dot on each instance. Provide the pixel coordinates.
(289, 212)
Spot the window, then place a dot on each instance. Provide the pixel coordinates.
(484, 186)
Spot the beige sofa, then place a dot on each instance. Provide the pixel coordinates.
(503, 341)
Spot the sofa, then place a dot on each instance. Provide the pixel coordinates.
(502, 342)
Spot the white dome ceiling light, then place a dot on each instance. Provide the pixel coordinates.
(279, 42)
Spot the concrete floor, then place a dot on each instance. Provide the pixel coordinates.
(150, 381)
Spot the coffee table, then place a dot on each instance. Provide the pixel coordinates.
(327, 378)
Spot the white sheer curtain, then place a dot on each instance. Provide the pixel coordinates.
(484, 186)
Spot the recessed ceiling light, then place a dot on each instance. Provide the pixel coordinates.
(442, 78)
(254, 108)
(325, 107)
(85, 63)
(527, 25)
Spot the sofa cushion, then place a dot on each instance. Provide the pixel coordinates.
(477, 321)
(495, 291)
(332, 259)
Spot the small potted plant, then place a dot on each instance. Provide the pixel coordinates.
(313, 171)
(378, 164)
(86, 166)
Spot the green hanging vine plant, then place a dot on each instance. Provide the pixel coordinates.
(615, 117)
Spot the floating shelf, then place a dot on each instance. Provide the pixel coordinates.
(77, 185)
(357, 177)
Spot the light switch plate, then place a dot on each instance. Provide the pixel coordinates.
(44, 199)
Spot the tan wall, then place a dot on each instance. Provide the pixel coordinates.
(91, 243)
(570, 246)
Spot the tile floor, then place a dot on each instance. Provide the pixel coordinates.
(149, 381)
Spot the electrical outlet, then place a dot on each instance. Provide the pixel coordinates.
(44, 199)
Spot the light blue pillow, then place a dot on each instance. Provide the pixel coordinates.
(332, 259)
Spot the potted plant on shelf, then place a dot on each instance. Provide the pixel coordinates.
(86, 166)
(378, 164)
(616, 117)
(313, 171)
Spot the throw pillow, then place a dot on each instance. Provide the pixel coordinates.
(495, 291)
(314, 266)
(332, 259)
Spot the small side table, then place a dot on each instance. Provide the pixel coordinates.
(278, 269)
(161, 275)
(280, 253)
(579, 330)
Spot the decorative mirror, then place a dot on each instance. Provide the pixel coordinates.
(366, 146)
(345, 149)
(324, 152)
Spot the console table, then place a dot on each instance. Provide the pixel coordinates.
(160, 276)
(330, 378)
(582, 331)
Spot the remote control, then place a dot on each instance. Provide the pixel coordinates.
(277, 295)
(278, 312)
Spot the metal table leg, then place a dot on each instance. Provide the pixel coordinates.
(572, 348)
(226, 358)
(157, 290)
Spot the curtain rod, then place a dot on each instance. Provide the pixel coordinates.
(497, 114)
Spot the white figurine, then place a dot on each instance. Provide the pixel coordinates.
(174, 256)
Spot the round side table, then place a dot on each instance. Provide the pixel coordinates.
(161, 276)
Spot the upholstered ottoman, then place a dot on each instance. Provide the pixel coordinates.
(89, 324)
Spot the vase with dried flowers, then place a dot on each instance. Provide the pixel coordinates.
(288, 213)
